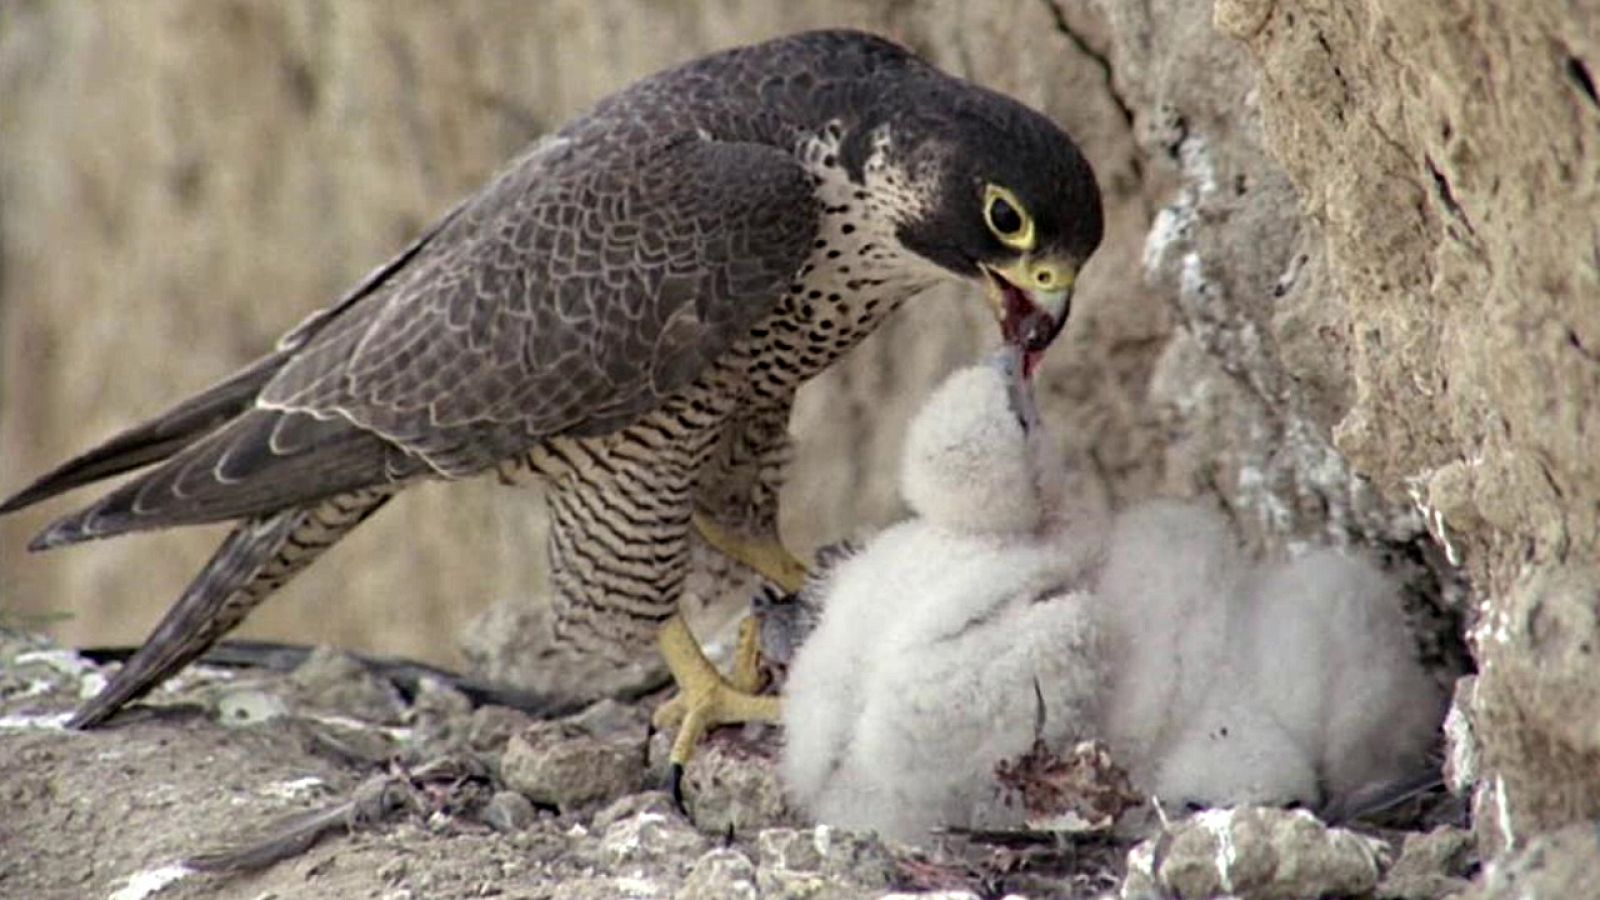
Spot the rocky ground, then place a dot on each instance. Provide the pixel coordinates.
(335, 780)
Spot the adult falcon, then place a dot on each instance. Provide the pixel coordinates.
(625, 312)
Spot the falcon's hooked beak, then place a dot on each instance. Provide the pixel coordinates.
(1031, 300)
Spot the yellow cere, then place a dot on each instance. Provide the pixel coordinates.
(1049, 276)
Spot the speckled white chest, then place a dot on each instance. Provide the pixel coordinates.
(856, 275)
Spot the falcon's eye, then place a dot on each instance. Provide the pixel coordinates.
(1006, 221)
(1007, 218)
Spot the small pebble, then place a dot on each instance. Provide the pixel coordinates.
(509, 812)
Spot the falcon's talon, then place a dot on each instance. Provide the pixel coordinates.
(767, 556)
(675, 785)
(705, 698)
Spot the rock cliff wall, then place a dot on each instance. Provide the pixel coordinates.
(1449, 155)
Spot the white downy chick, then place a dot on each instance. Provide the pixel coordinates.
(1171, 578)
(976, 459)
(1337, 667)
(1232, 751)
(1308, 666)
(939, 639)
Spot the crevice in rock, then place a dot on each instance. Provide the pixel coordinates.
(1577, 344)
(1338, 74)
(1101, 60)
(1289, 276)
(186, 181)
(1446, 196)
(301, 83)
(1579, 73)
(1428, 583)
(1180, 136)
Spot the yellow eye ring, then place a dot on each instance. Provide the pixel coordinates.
(1007, 218)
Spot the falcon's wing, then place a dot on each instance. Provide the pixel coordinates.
(563, 305)
(571, 296)
(178, 427)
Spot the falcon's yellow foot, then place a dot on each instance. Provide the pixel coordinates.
(767, 556)
(706, 699)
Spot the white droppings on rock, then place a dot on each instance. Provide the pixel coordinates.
(1175, 222)
(54, 721)
(1254, 852)
(623, 839)
(238, 709)
(33, 689)
(195, 675)
(1220, 823)
(1193, 286)
(1502, 814)
(294, 788)
(820, 861)
(1194, 156)
(1140, 881)
(1254, 490)
(150, 882)
(649, 838)
(402, 733)
(1460, 739)
(1171, 225)
(1493, 627)
(67, 662)
(631, 886)
(91, 685)
(720, 874)
(1432, 516)
(821, 838)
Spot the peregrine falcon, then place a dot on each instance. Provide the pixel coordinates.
(624, 312)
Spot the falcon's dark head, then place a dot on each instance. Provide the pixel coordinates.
(994, 192)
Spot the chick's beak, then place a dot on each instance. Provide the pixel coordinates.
(1015, 366)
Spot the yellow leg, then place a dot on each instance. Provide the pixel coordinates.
(765, 555)
(706, 699)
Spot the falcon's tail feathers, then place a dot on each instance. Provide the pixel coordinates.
(154, 439)
(256, 558)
